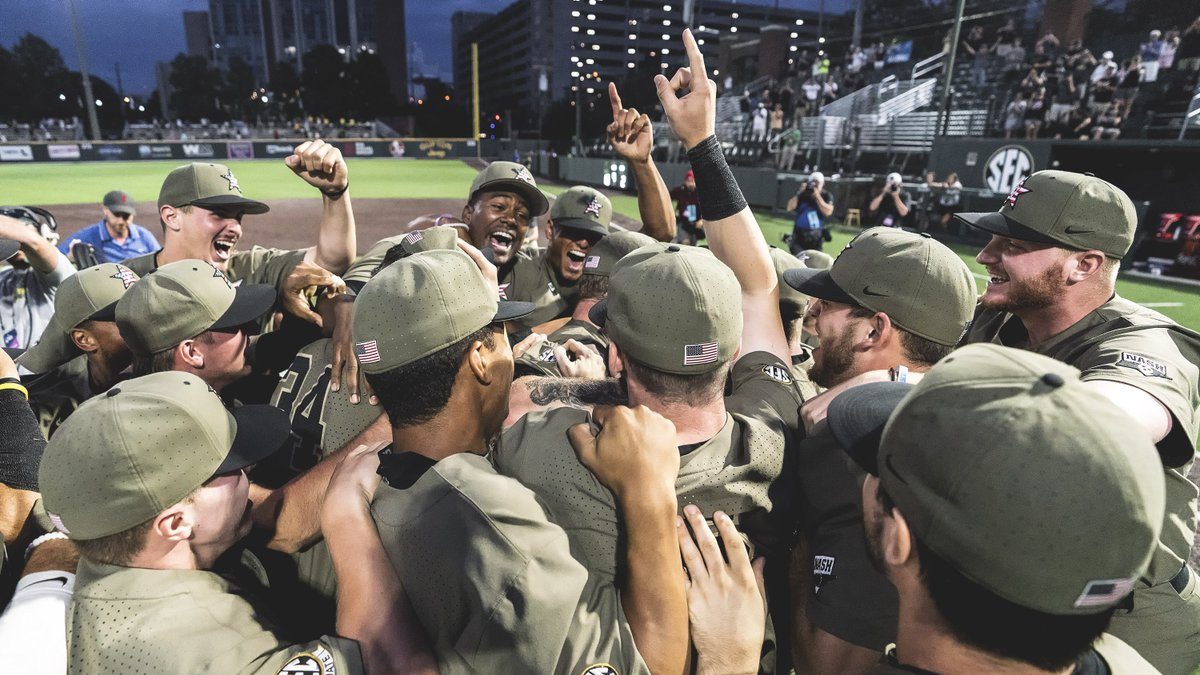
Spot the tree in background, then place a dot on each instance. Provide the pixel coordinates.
(371, 92)
(284, 90)
(197, 88)
(325, 87)
(239, 84)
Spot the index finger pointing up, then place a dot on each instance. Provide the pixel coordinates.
(615, 99)
(695, 60)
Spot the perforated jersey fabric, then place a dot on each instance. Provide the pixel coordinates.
(141, 621)
(731, 472)
(491, 578)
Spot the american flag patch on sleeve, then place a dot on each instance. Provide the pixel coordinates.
(367, 352)
(413, 237)
(592, 262)
(1104, 592)
(695, 355)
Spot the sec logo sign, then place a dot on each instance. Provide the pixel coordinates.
(1006, 168)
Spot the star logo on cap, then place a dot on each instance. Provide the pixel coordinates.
(503, 291)
(125, 275)
(522, 174)
(1017, 192)
(233, 182)
(593, 207)
(221, 275)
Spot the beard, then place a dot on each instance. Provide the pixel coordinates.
(1036, 293)
(837, 358)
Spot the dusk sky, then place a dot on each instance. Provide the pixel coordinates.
(138, 33)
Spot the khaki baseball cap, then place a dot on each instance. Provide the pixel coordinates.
(1025, 479)
(443, 236)
(605, 253)
(582, 208)
(145, 444)
(674, 308)
(923, 286)
(1073, 210)
(118, 201)
(817, 260)
(511, 177)
(422, 304)
(792, 303)
(207, 185)
(90, 293)
(184, 299)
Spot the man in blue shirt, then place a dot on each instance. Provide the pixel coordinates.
(115, 238)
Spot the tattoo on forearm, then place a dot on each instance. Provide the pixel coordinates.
(545, 391)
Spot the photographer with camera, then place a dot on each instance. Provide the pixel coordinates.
(891, 206)
(37, 268)
(811, 205)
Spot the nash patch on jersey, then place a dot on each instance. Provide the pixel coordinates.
(317, 662)
(1143, 365)
(778, 373)
(822, 571)
(599, 669)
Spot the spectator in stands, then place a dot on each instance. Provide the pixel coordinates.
(811, 206)
(1108, 123)
(1081, 62)
(891, 206)
(28, 285)
(1014, 115)
(1014, 59)
(829, 91)
(1032, 82)
(758, 122)
(972, 42)
(1063, 96)
(115, 237)
(1035, 113)
(812, 92)
(1048, 45)
(1103, 88)
(1079, 124)
(1130, 80)
(1105, 68)
(982, 60)
(1166, 55)
(1189, 48)
(687, 211)
(1006, 37)
(947, 200)
(1149, 52)
(880, 55)
(787, 97)
(776, 120)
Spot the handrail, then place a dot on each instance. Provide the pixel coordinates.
(926, 66)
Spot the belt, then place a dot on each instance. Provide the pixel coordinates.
(1180, 581)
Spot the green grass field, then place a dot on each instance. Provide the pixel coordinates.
(84, 183)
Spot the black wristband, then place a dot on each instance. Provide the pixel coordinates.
(22, 443)
(10, 380)
(718, 192)
(336, 193)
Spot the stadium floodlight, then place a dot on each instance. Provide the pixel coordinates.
(263, 99)
(821, 40)
(666, 22)
(575, 13)
(666, 8)
(666, 37)
(799, 22)
(99, 103)
(141, 108)
(733, 29)
(62, 97)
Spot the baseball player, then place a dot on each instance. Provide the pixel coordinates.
(116, 237)
(81, 353)
(892, 304)
(792, 306)
(188, 316)
(149, 481)
(1055, 251)
(35, 271)
(990, 580)
(677, 317)
(201, 207)
(504, 593)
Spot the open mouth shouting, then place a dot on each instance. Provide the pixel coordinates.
(503, 243)
(222, 247)
(575, 259)
(996, 279)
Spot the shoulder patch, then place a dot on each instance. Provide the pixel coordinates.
(547, 353)
(599, 669)
(317, 662)
(777, 373)
(1145, 366)
(822, 570)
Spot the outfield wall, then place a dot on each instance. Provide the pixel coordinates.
(401, 148)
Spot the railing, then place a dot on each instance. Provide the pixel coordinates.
(915, 96)
(926, 66)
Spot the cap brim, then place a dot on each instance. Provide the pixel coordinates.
(52, 350)
(8, 248)
(511, 309)
(262, 430)
(598, 314)
(107, 313)
(250, 206)
(999, 223)
(582, 224)
(817, 283)
(538, 203)
(249, 303)
(126, 210)
(857, 418)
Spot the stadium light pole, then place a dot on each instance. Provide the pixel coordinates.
(944, 113)
(475, 98)
(88, 99)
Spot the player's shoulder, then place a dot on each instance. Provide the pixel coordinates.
(539, 429)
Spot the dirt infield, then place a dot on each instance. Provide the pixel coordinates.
(291, 223)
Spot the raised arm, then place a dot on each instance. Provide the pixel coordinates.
(733, 233)
(321, 166)
(632, 138)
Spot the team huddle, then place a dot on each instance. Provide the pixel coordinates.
(519, 439)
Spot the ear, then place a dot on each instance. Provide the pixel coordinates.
(170, 217)
(551, 232)
(898, 549)
(616, 363)
(1083, 265)
(84, 340)
(189, 353)
(479, 360)
(879, 331)
(175, 523)
(468, 211)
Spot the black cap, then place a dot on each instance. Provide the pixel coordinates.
(857, 417)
